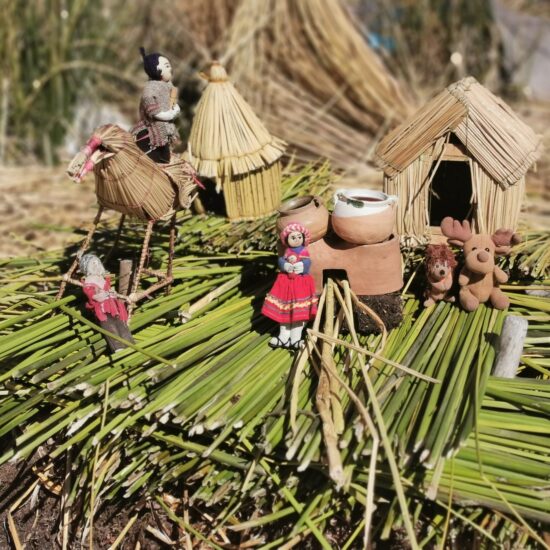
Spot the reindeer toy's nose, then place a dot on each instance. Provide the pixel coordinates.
(483, 256)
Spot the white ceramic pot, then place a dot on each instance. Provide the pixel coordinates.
(362, 216)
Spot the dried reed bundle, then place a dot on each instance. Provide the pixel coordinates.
(229, 143)
(415, 136)
(206, 22)
(130, 182)
(254, 194)
(502, 143)
(227, 138)
(307, 70)
(495, 208)
(183, 177)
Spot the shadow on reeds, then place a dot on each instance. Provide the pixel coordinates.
(212, 201)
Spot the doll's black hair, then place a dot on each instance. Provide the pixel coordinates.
(150, 64)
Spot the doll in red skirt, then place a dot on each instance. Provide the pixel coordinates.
(292, 301)
(107, 306)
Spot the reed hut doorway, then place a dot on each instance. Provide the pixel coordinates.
(451, 192)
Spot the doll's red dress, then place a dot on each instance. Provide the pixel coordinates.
(112, 306)
(292, 298)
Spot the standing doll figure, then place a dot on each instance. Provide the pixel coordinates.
(108, 308)
(157, 109)
(292, 301)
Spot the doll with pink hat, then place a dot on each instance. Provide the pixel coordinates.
(292, 301)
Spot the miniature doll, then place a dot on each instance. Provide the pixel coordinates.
(292, 301)
(440, 264)
(290, 257)
(158, 108)
(108, 308)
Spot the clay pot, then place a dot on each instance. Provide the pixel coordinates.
(371, 269)
(362, 216)
(307, 210)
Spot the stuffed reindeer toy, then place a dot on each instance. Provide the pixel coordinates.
(480, 276)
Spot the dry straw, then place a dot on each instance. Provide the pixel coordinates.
(306, 67)
(498, 146)
(307, 70)
(131, 183)
(229, 143)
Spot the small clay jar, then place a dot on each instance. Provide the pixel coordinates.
(362, 216)
(307, 210)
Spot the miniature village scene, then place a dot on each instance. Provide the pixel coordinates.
(275, 275)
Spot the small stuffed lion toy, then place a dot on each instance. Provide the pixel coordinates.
(440, 263)
(480, 276)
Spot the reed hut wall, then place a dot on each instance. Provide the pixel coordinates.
(492, 206)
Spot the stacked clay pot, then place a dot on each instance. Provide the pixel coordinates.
(362, 216)
(307, 210)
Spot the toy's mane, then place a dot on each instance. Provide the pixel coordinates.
(439, 253)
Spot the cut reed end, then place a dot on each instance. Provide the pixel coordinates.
(75, 166)
(337, 475)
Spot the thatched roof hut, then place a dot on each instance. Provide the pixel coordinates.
(229, 143)
(464, 154)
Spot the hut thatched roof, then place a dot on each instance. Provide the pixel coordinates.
(489, 130)
(227, 138)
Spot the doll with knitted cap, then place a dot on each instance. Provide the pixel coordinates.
(292, 301)
(158, 108)
(107, 306)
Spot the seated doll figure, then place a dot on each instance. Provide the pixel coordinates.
(107, 307)
(158, 108)
(292, 301)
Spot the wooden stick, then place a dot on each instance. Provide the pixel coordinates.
(117, 238)
(83, 247)
(172, 245)
(124, 274)
(137, 275)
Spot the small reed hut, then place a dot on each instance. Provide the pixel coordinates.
(464, 154)
(229, 144)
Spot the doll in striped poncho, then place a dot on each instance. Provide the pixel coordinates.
(158, 109)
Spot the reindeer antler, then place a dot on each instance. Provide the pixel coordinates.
(504, 239)
(456, 232)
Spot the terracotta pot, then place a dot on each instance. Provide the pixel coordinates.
(371, 269)
(362, 216)
(307, 210)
